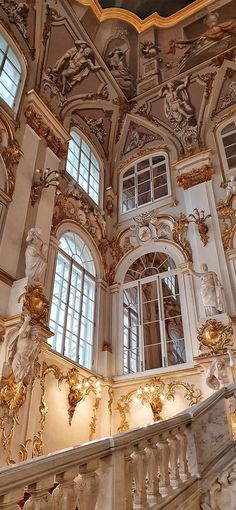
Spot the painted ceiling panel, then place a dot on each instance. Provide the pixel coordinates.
(144, 8)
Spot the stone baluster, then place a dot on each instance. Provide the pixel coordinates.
(152, 471)
(87, 483)
(173, 460)
(140, 471)
(164, 481)
(183, 462)
(65, 494)
(128, 479)
(40, 498)
(10, 500)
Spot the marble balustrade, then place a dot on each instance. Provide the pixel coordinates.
(139, 469)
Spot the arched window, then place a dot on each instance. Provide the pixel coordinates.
(228, 140)
(83, 166)
(144, 182)
(10, 73)
(152, 324)
(73, 300)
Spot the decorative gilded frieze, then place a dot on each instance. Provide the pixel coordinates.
(37, 123)
(194, 177)
(154, 393)
(214, 336)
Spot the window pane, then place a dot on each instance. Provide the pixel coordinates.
(10, 73)
(82, 165)
(152, 319)
(73, 301)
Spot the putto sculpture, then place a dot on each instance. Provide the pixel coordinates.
(35, 255)
(210, 290)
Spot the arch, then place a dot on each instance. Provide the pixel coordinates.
(164, 246)
(84, 165)
(72, 226)
(15, 64)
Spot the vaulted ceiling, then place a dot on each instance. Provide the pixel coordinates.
(144, 8)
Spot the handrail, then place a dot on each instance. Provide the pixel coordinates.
(137, 447)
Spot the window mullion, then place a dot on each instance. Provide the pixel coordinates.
(66, 308)
(162, 321)
(80, 316)
(141, 334)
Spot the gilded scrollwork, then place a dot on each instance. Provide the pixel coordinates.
(11, 155)
(179, 230)
(227, 213)
(23, 452)
(194, 177)
(37, 123)
(154, 393)
(36, 304)
(214, 336)
(12, 398)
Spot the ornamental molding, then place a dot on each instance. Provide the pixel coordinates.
(214, 336)
(227, 213)
(154, 392)
(149, 226)
(195, 176)
(43, 130)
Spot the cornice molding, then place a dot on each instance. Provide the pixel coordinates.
(153, 20)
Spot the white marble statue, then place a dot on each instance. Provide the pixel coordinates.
(211, 290)
(211, 379)
(23, 346)
(230, 187)
(35, 255)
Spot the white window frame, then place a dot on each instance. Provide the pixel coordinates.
(163, 343)
(160, 202)
(12, 110)
(72, 263)
(94, 153)
(223, 157)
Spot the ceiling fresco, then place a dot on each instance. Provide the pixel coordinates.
(144, 8)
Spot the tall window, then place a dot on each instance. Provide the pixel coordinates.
(144, 182)
(73, 300)
(10, 73)
(82, 165)
(152, 324)
(228, 137)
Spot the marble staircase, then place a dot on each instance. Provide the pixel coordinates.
(164, 465)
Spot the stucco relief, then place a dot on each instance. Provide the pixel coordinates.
(71, 68)
(139, 136)
(22, 15)
(72, 204)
